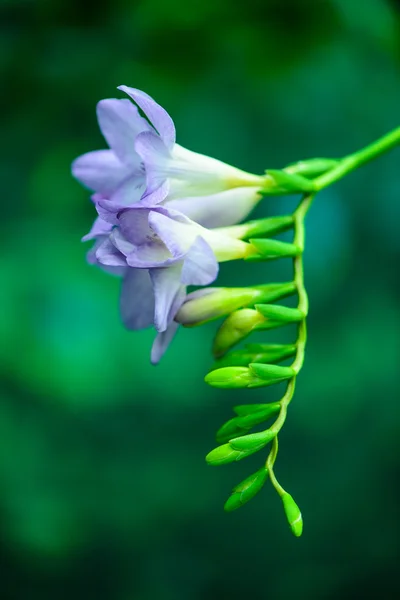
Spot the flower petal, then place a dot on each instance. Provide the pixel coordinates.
(120, 123)
(99, 227)
(175, 230)
(101, 171)
(169, 294)
(157, 115)
(108, 254)
(156, 158)
(200, 267)
(137, 299)
(218, 210)
(162, 342)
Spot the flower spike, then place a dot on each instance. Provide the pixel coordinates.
(167, 216)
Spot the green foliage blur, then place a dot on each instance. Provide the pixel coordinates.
(104, 491)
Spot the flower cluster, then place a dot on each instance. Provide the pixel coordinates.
(161, 210)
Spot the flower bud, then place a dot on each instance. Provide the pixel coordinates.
(232, 378)
(246, 490)
(211, 303)
(225, 454)
(293, 514)
(242, 424)
(235, 328)
(256, 353)
(253, 440)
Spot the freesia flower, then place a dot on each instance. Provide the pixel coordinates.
(162, 252)
(144, 163)
(158, 204)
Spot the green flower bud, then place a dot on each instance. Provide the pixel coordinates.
(225, 454)
(253, 440)
(255, 418)
(280, 313)
(235, 328)
(293, 514)
(246, 490)
(272, 373)
(230, 378)
(271, 352)
(239, 426)
(267, 249)
(222, 455)
(247, 409)
(212, 303)
(256, 353)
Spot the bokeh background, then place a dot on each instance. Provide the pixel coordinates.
(104, 492)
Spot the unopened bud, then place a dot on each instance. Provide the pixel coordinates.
(235, 328)
(246, 490)
(293, 514)
(211, 303)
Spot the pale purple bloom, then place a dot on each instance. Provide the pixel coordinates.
(144, 163)
(157, 204)
(163, 252)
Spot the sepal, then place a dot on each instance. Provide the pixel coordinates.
(312, 167)
(272, 373)
(267, 249)
(280, 313)
(262, 227)
(288, 183)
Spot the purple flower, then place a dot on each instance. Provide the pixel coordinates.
(162, 252)
(158, 204)
(144, 164)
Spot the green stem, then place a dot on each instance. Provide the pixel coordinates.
(353, 161)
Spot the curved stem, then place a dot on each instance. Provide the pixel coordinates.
(353, 161)
(298, 267)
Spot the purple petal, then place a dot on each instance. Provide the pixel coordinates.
(137, 299)
(146, 256)
(218, 210)
(100, 171)
(130, 191)
(120, 123)
(169, 294)
(108, 254)
(92, 260)
(200, 267)
(178, 236)
(151, 199)
(157, 115)
(155, 157)
(162, 342)
(134, 224)
(99, 227)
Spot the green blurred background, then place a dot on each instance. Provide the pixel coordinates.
(104, 492)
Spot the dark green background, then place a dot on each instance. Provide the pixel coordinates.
(104, 492)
